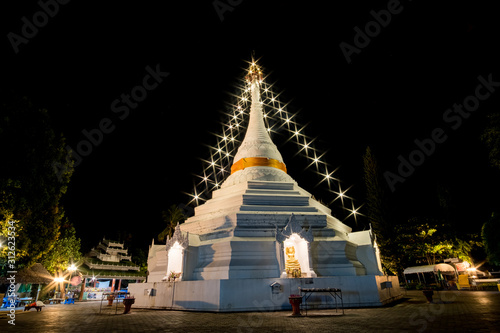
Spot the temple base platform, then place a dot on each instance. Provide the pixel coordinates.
(269, 294)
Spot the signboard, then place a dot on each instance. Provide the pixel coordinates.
(92, 296)
(463, 281)
(386, 284)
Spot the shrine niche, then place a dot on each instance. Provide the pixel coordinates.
(294, 250)
(176, 245)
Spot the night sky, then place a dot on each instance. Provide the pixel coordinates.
(393, 91)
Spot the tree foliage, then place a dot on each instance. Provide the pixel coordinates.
(491, 138)
(375, 197)
(30, 189)
(172, 216)
(414, 241)
(66, 250)
(378, 214)
(490, 234)
(425, 241)
(422, 243)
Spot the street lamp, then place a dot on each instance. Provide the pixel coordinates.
(57, 281)
(71, 269)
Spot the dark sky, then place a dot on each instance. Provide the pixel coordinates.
(395, 90)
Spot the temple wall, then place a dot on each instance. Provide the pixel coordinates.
(366, 255)
(258, 294)
(190, 261)
(157, 265)
(236, 259)
(330, 259)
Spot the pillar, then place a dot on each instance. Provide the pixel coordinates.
(82, 290)
(310, 259)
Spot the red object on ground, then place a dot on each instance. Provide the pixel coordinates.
(127, 302)
(295, 301)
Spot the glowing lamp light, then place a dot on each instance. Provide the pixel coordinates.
(72, 268)
(58, 279)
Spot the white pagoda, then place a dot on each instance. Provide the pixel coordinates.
(259, 238)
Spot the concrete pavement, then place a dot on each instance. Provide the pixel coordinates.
(451, 311)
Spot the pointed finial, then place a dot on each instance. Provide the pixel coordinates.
(254, 72)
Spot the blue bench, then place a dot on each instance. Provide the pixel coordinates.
(6, 302)
(69, 301)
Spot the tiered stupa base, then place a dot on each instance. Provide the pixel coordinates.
(237, 251)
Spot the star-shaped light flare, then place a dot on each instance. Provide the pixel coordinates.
(277, 120)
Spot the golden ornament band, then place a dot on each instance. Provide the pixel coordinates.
(257, 161)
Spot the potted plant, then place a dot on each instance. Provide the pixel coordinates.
(127, 302)
(295, 301)
(110, 299)
(172, 276)
(428, 292)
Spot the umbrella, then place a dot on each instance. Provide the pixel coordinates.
(36, 274)
(24, 288)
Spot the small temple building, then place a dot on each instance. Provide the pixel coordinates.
(259, 238)
(107, 268)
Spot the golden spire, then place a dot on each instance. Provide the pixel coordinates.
(254, 73)
(257, 148)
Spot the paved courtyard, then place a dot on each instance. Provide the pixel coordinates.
(452, 311)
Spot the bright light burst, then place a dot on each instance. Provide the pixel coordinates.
(217, 167)
(354, 212)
